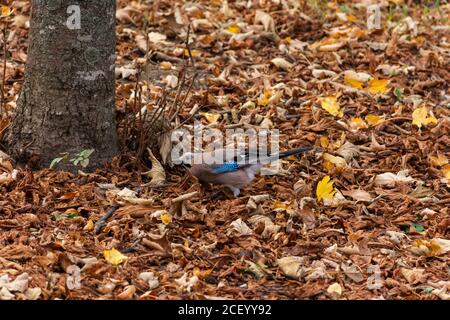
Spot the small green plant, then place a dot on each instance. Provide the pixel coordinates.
(81, 158)
(343, 8)
(390, 13)
(405, 10)
(398, 94)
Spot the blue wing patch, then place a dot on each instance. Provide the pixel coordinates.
(227, 167)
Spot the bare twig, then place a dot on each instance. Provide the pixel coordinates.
(184, 197)
(100, 224)
(5, 49)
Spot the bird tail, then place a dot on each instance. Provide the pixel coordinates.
(280, 155)
(292, 152)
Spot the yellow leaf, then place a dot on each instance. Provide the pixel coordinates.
(283, 206)
(337, 161)
(166, 218)
(338, 143)
(234, 29)
(374, 120)
(331, 105)
(419, 117)
(201, 274)
(287, 40)
(335, 288)
(325, 189)
(114, 257)
(211, 117)
(89, 226)
(439, 161)
(324, 142)
(165, 65)
(263, 99)
(446, 171)
(328, 44)
(352, 18)
(194, 53)
(377, 86)
(354, 83)
(358, 123)
(350, 78)
(6, 11)
(433, 247)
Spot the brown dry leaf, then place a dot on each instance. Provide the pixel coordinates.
(157, 173)
(269, 228)
(390, 179)
(358, 195)
(265, 19)
(240, 227)
(127, 293)
(282, 64)
(292, 266)
(413, 276)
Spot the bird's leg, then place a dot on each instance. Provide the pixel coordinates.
(235, 190)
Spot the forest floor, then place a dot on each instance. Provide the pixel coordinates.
(372, 99)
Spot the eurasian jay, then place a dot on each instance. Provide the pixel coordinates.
(235, 171)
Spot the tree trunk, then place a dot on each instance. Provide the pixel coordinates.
(67, 99)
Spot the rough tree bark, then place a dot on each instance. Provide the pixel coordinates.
(67, 99)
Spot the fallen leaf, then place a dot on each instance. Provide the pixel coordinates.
(413, 276)
(439, 161)
(377, 86)
(292, 266)
(157, 172)
(241, 227)
(89, 226)
(165, 65)
(156, 37)
(335, 288)
(283, 206)
(6, 11)
(352, 272)
(430, 248)
(185, 284)
(390, 179)
(114, 256)
(233, 29)
(166, 218)
(269, 227)
(420, 117)
(358, 195)
(211, 117)
(374, 120)
(446, 171)
(357, 123)
(150, 279)
(356, 79)
(325, 189)
(265, 19)
(331, 105)
(336, 161)
(282, 64)
(127, 293)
